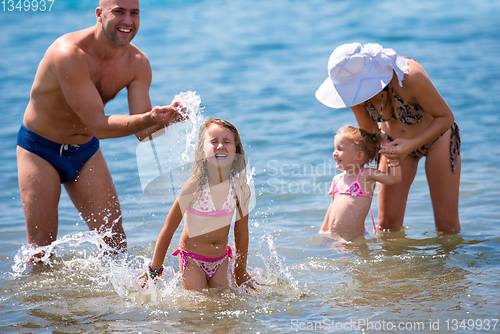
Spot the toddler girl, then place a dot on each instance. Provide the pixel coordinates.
(353, 189)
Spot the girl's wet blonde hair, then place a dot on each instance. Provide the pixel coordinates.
(367, 142)
(200, 174)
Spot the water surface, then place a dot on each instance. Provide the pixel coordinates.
(258, 64)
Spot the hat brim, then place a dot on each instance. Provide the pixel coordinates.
(347, 95)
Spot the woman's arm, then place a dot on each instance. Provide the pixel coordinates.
(418, 88)
(365, 122)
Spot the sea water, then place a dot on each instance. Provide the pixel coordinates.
(258, 64)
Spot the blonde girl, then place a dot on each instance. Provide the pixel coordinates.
(353, 189)
(215, 193)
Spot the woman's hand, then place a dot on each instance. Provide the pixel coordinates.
(397, 149)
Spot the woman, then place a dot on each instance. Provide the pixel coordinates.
(394, 95)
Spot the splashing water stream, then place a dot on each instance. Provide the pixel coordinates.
(164, 159)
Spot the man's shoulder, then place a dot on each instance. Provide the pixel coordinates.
(70, 44)
(138, 63)
(137, 54)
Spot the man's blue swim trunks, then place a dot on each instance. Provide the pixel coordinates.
(66, 159)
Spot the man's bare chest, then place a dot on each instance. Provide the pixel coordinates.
(109, 80)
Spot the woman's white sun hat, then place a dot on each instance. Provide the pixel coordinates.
(357, 73)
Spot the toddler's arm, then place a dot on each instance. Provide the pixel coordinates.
(326, 221)
(391, 176)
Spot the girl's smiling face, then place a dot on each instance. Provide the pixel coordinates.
(345, 154)
(219, 145)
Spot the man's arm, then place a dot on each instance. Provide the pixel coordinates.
(72, 69)
(138, 95)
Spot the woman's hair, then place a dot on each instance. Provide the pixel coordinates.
(200, 173)
(365, 141)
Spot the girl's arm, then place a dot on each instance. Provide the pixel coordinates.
(172, 222)
(326, 221)
(174, 218)
(241, 246)
(391, 176)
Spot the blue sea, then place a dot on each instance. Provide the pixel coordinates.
(258, 65)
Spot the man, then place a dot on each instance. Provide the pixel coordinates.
(64, 120)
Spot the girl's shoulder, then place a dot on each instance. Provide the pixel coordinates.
(186, 194)
(188, 188)
(337, 177)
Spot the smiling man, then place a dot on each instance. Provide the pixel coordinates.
(58, 142)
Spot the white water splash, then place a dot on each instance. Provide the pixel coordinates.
(84, 257)
(164, 161)
(190, 102)
(274, 274)
(125, 275)
(27, 252)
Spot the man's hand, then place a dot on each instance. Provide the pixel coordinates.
(167, 115)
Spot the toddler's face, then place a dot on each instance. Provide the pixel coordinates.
(345, 153)
(219, 145)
